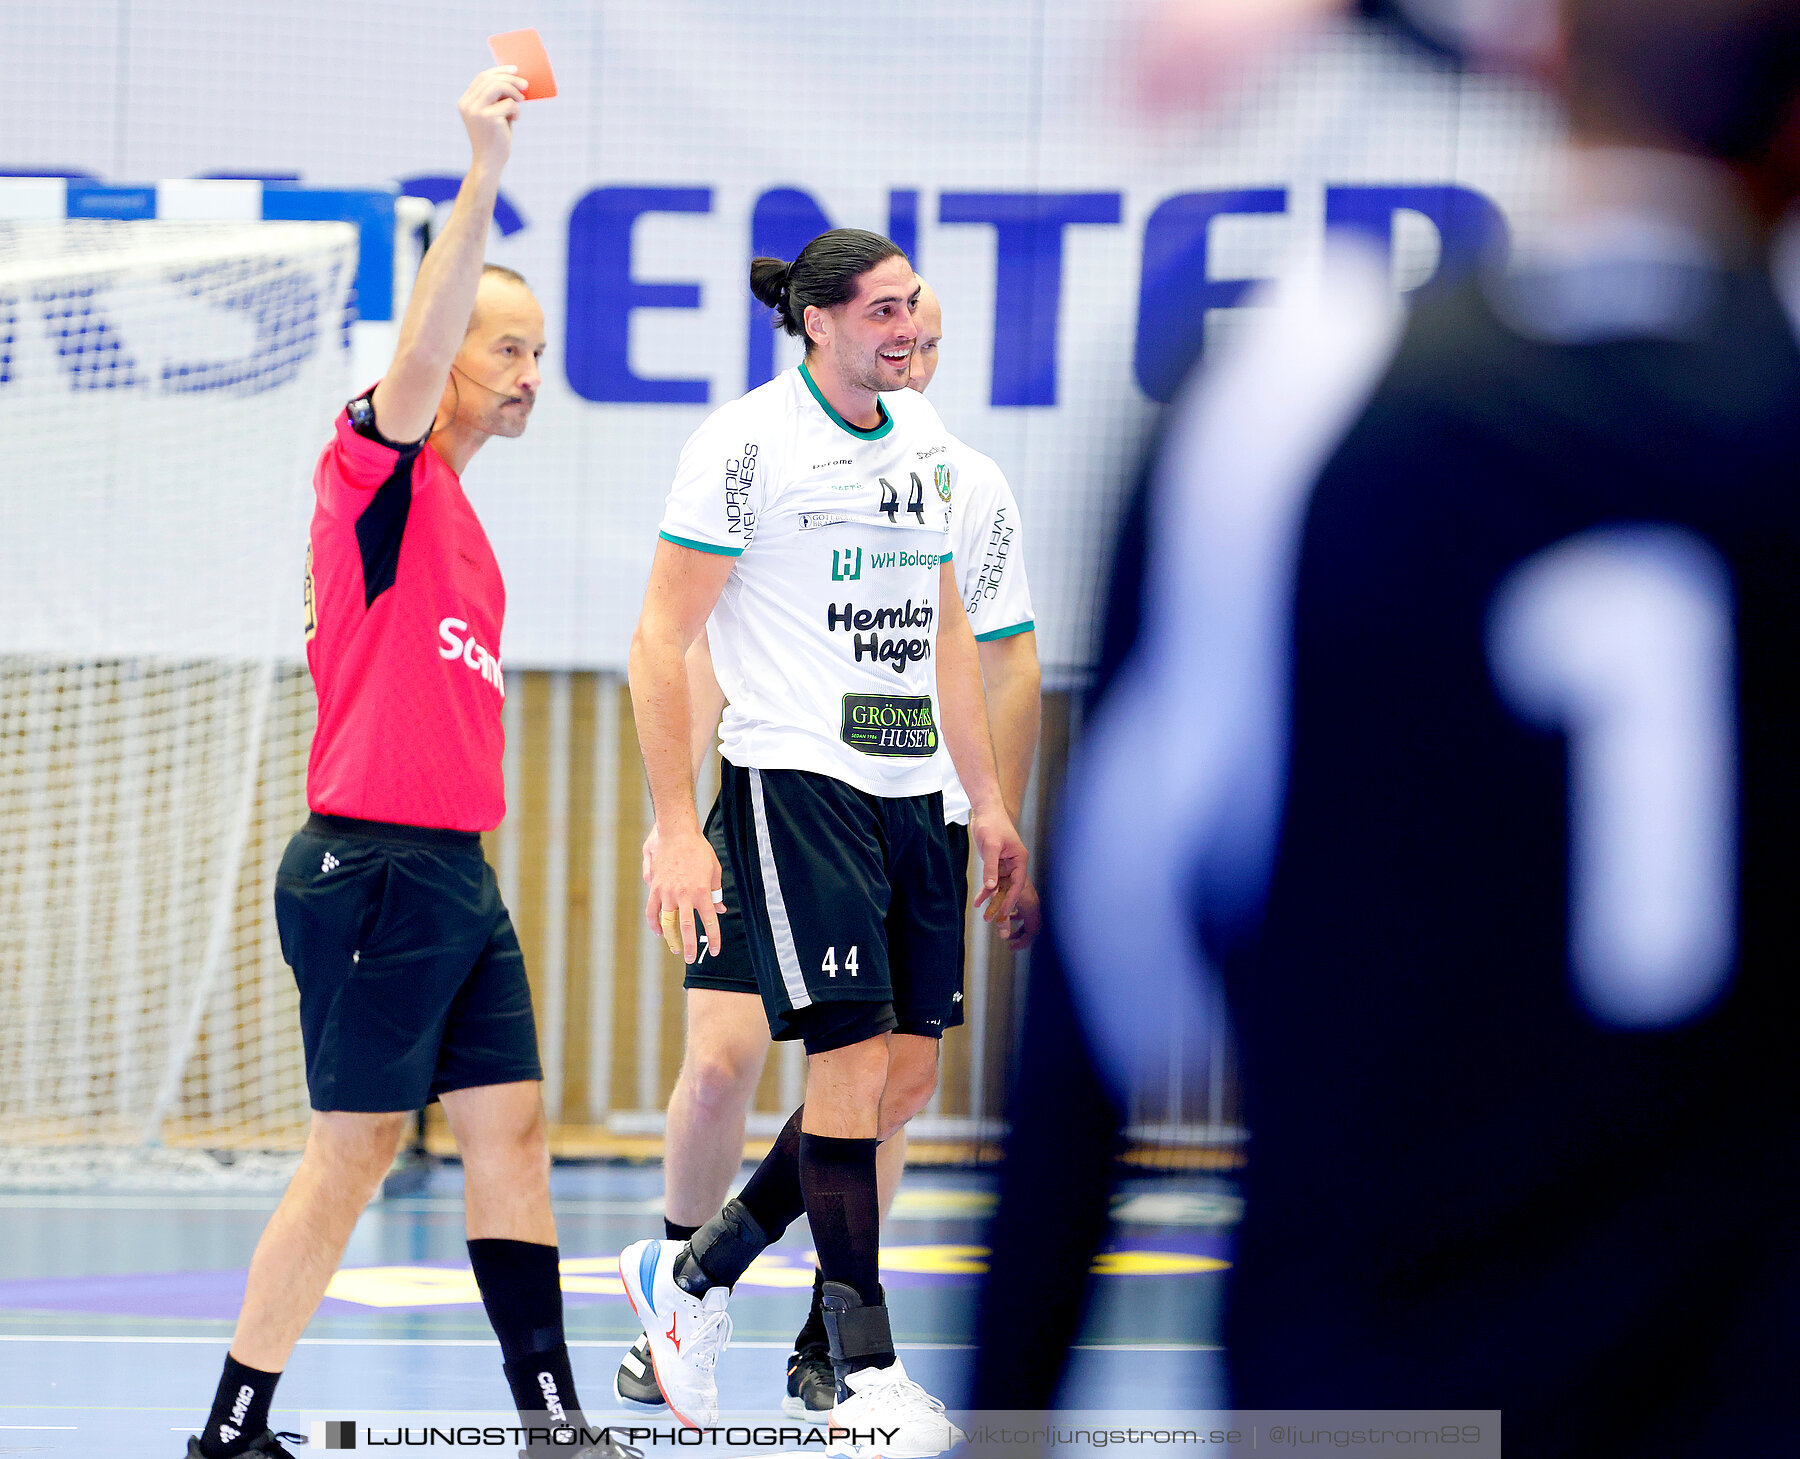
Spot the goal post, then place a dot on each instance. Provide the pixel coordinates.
(165, 388)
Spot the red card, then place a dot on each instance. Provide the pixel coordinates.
(525, 49)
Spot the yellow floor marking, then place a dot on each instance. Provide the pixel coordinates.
(423, 1286)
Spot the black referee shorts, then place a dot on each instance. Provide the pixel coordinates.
(411, 979)
(848, 899)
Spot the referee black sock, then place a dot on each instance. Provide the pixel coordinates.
(543, 1389)
(240, 1411)
(521, 1288)
(844, 1210)
(675, 1232)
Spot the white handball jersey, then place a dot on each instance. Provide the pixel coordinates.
(824, 636)
(990, 572)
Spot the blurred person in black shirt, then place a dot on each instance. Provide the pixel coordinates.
(1452, 729)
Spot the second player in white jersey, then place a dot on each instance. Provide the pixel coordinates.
(989, 560)
(823, 636)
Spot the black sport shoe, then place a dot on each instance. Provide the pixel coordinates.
(811, 1384)
(267, 1445)
(634, 1385)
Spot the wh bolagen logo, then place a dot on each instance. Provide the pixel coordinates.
(470, 652)
(847, 562)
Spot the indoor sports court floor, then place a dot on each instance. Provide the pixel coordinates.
(115, 1309)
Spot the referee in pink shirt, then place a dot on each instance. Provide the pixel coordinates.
(412, 986)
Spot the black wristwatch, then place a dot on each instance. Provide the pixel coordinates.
(362, 421)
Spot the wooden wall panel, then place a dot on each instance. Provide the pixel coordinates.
(621, 1027)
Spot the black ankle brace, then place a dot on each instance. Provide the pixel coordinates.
(856, 1333)
(721, 1250)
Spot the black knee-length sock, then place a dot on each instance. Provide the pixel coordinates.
(771, 1198)
(838, 1179)
(772, 1194)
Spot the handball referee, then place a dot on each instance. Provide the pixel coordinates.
(412, 986)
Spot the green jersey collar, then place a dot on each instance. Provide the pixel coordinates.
(874, 433)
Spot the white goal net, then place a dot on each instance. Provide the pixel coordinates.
(164, 391)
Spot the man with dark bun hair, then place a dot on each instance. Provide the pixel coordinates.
(727, 1036)
(810, 522)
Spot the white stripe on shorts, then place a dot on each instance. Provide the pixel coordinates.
(779, 928)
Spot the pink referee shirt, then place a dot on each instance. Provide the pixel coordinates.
(404, 605)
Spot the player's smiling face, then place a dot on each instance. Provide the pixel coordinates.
(500, 357)
(872, 335)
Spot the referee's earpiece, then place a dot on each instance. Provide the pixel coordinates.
(473, 381)
(439, 421)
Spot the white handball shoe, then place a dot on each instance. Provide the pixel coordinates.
(908, 1422)
(687, 1334)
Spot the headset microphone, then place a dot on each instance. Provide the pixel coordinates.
(489, 388)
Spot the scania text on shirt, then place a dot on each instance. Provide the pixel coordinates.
(470, 652)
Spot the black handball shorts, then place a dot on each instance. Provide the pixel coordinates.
(726, 969)
(847, 898)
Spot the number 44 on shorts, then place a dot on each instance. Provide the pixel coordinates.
(830, 965)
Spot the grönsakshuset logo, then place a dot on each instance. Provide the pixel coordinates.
(889, 724)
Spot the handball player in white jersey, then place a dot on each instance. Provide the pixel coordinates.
(727, 1035)
(832, 803)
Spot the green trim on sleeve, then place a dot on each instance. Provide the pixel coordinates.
(1027, 626)
(874, 433)
(944, 557)
(708, 547)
